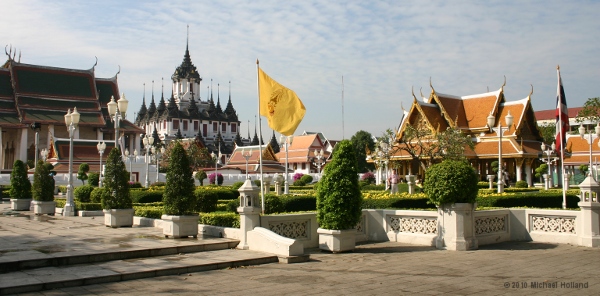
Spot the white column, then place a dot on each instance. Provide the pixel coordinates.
(23, 145)
(519, 166)
(528, 172)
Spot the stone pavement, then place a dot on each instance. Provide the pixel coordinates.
(521, 268)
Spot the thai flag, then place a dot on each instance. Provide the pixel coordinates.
(562, 116)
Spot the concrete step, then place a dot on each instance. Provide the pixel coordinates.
(46, 256)
(184, 264)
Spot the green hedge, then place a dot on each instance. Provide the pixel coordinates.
(220, 219)
(82, 193)
(298, 203)
(80, 206)
(146, 196)
(534, 200)
(397, 203)
(146, 211)
(206, 200)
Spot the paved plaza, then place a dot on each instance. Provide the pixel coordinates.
(523, 268)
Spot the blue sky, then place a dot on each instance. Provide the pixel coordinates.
(381, 48)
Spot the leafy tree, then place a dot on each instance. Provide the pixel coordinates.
(360, 141)
(452, 143)
(450, 182)
(494, 166)
(20, 186)
(43, 183)
(84, 168)
(590, 111)
(198, 156)
(179, 198)
(338, 194)
(548, 132)
(200, 176)
(583, 168)
(541, 170)
(116, 183)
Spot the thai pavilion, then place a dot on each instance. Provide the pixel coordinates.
(469, 114)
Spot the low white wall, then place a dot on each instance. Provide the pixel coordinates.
(411, 227)
(264, 240)
(492, 226)
(301, 227)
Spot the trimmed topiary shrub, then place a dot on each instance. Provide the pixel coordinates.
(116, 183)
(146, 196)
(449, 182)
(521, 184)
(299, 183)
(84, 168)
(96, 195)
(83, 193)
(338, 196)
(307, 179)
(94, 179)
(200, 176)
(206, 200)
(179, 198)
(20, 186)
(43, 183)
(273, 204)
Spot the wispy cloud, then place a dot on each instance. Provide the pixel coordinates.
(382, 48)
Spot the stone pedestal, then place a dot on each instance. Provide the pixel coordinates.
(410, 180)
(546, 181)
(456, 227)
(279, 184)
(590, 213)
(249, 210)
(118, 218)
(43, 207)
(20, 204)
(491, 179)
(337, 240)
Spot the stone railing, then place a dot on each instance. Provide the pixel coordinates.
(302, 227)
(551, 226)
(492, 226)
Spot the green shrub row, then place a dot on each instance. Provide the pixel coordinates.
(534, 200)
(145, 211)
(80, 206)
(397, 203)
(220, 219)
(146, 196)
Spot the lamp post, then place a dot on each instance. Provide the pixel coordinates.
(117, 112)
(36, 126)
(101, 147)
(491, 119)
(548, 150)
(158, 153)
(247, 157)
(130, 157)
(217, 158)
(148, 141)
(319, 160)
(71, 121)
(590, 141)
(286, 141)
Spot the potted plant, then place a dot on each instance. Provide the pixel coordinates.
(179, 199)
(20, 187)
(115, 198)
(339, 201)
(452, 186)
(43, 190)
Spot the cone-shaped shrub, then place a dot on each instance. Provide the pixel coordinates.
(116, 183)
(450, 182)
(20, 186)
(43, 183)
(179, 198)
(338, 195)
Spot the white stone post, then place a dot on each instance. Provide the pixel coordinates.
(528, 173)
(410, 180)
(546, 181)
(590, 213)
(249, 210)
(491, 179)
(456, 227)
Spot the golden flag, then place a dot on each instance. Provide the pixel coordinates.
(279, 104)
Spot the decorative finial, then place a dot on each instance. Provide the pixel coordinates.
(531, 91)
(118, 72)
(558, 67)
(96, 64)
(504, 84)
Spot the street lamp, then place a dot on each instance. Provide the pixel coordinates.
(548, 150)
(286, 141)
(71, 121)
(148, 141)
(158, 153)
(101, 147)
(117, 112)
(319, 160)
(590, 141)
(499, 131)
(247, 157)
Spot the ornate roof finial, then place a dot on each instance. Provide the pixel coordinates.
(529, 96)
(413, 92)
(431, 85)
(118, 72)
(96, 64)
(504, 84)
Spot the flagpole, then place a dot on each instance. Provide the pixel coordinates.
(262, 191)
(562, 134)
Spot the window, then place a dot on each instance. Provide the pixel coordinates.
(303, 166)
(205, 130)
(215, 127)
(175, 124)
(164, 124)
(223, 127)
(233, 128)
(185, 125)
(196, 125)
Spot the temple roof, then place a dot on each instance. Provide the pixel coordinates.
(187, 69)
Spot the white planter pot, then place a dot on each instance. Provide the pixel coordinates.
(337, 240)
(456, 227)
(43, 207)
(118, 218)
(180, 226)
(20, 204)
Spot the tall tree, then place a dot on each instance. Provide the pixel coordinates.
(548, 132)
(179, 198)
(360, 141)
(590, 111)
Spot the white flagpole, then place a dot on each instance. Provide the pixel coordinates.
(262, 191)
(562, 141)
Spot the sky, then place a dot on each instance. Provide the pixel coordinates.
(381, 50)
